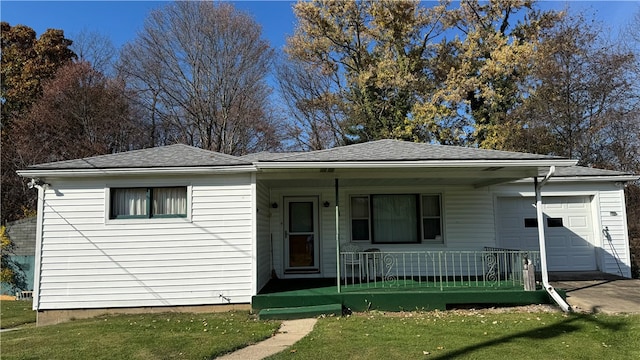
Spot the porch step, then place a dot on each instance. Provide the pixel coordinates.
(299, 312)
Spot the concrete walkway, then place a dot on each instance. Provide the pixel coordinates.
(289, 333)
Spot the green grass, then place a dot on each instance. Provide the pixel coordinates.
(470, 335)
(15, 313)
(148, 336)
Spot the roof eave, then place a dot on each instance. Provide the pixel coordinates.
(413, 164)
(591, 178)
(34, 173)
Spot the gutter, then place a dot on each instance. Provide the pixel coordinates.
(41, 173)
(606, 178)
(412, 164)
(543, 250)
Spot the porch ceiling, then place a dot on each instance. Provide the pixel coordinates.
(324, 177)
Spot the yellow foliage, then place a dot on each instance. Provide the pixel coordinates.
(6, 274)
(26, 212)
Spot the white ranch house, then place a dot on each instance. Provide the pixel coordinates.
(179, 226)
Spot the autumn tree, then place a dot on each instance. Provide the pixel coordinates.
(199, 70)
(370, 56)
(586, 104)
(81, 113)
(482, 70)
(26, 62)
(451, 73)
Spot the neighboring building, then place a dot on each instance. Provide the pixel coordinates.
(181, 226)
(23, 235)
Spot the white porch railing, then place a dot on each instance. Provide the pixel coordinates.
(491, 267)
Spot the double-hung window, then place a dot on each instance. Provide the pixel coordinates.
(149, 202)
(396, 218)
(431, 219)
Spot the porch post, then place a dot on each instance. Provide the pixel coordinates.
(337, 236)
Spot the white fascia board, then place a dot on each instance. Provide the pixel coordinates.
(414, 164)
(36, 173)
(621, 178)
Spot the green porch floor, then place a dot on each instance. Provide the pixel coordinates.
(409, 295)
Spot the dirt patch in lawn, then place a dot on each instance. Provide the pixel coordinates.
(469, 310)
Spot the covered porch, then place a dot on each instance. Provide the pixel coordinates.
(390, 219)
(371, 226)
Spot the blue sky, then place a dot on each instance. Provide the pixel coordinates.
(121, 20)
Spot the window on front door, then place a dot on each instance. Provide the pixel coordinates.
(301, 240)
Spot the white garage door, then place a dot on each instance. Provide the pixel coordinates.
(568, 230)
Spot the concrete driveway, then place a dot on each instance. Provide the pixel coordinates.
(607, 295)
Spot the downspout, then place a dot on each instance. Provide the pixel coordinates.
(541, 239)
(337, 236)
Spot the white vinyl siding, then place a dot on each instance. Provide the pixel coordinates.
(615, 254)
(88, 262)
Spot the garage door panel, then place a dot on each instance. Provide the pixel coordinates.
(559, 262)
(569, 244)
(552, 207)
(578, 242)
(530, 242)
(582, 262)
(557, 242)
(578, 222)
(577, 206)
(511, 223)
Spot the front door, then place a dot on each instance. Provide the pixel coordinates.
(301, 234)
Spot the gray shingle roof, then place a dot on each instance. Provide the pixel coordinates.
(395, 150)
(178, 155)
(265, 156)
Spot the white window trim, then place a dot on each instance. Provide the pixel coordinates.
(423, 241)
(152, 220)
(441, 217)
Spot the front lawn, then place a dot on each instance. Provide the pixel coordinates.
(470, 335)
(15, 313)
(148, 336)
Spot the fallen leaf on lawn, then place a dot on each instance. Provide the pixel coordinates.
(293, 351)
